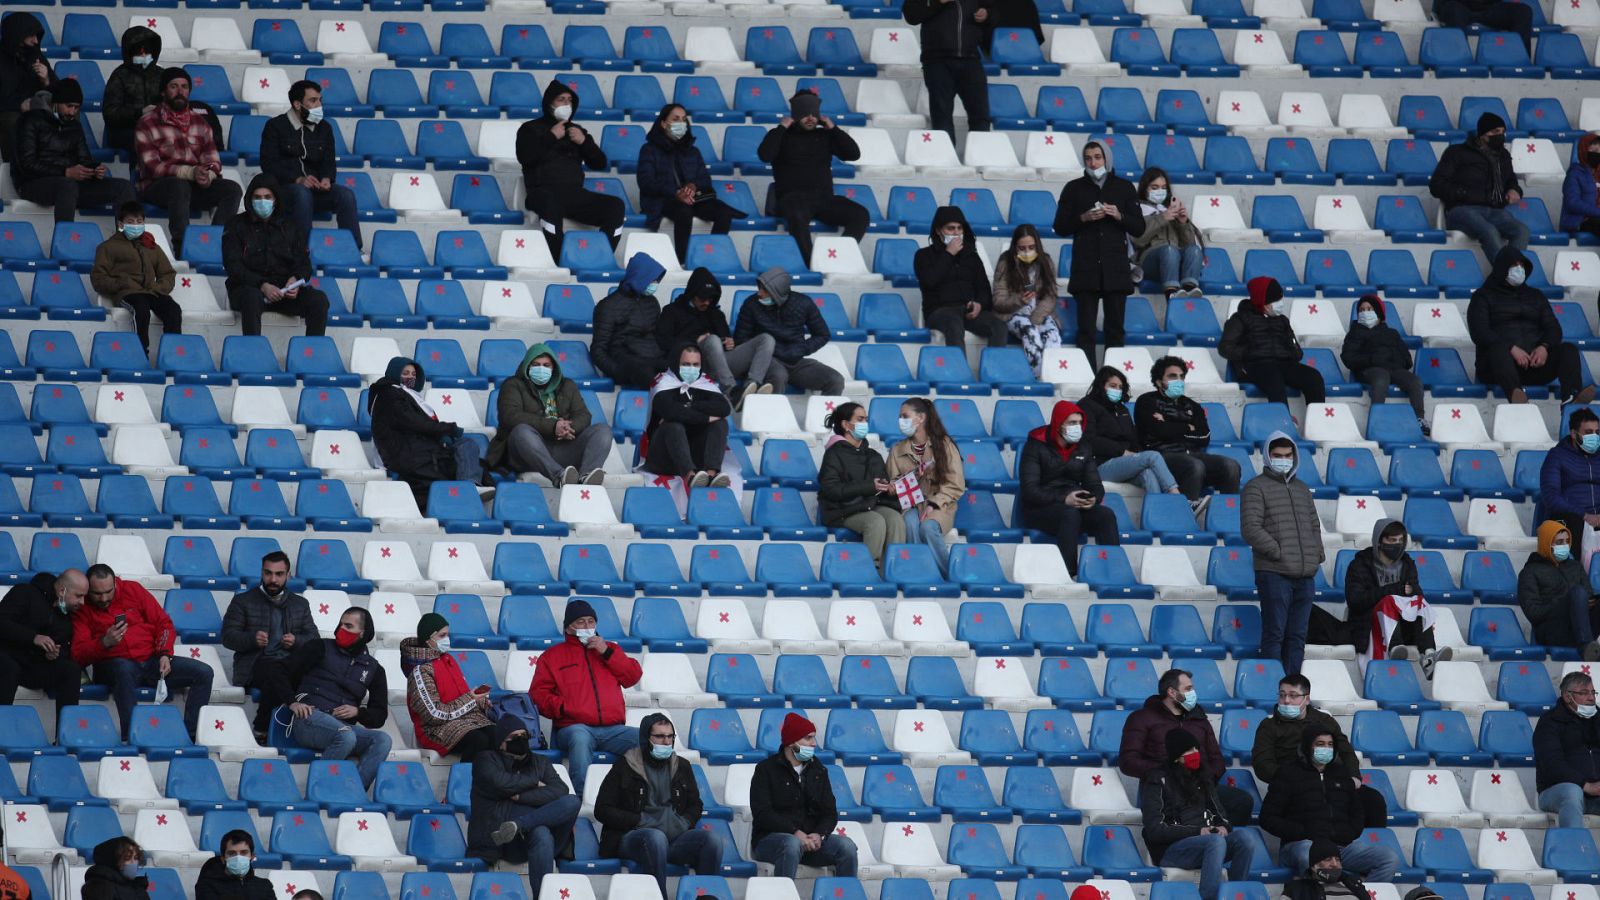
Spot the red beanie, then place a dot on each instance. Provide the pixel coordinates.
(1086, 892)
(796, 727)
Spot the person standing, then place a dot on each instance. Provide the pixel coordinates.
(1476, 182)
(624, 345)
(955, 288)
(268, 260)
(299, 151)
(928, 451)
(1377, 354)
(545, 426)
(952, 61)
(1061, 491)
(794, 812)
(553, 151)
(36, 633)
(1099, 211)
(1278, 519)
(132, 269)
(853, 486)
(577, 685)
(180, 168)
(522, 812)
(52, 166)
(674, 183)
(801, 149)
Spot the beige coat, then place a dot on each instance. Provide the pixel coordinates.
(1007, 303)
(942, 497)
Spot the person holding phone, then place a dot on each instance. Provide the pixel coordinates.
(674, 183)
(1185, 823)
(448, 718)
(853, 486)
(1061, 488)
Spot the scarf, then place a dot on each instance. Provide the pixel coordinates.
(421, 404)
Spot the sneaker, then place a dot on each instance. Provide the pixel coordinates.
(1199, 507)
(485, 493)
(764, 389)
(1400, 652)
(699, 480)
(1430, 659)
(721, 480)
(1427, 430)
(1591, 652)
(503, 833)
(569, 475)
(1192, 290)
(595, 477)
(739, 395)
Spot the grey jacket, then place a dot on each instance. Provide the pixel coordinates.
(1278, 519)
(251, 612)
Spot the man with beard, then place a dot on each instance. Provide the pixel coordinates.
(36, 634)
(179, 167)
(264, 624)
(51, 165)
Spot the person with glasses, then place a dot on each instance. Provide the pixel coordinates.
(1566, 754)
(1278, 737)
(648, 807)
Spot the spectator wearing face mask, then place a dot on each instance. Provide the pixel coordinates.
(797, 330)
(1311, 806)
(1326, 878)
(1185, 826)
(624, 346)
(1381, 620)
(117, 872)
(412, 441)
(578, 684)
(1174, 425)
(1024, 294)
(553, 151)
(1378, 355)
(1566, 754)
(1277, 742)
(545, 426)
(298, 149)
(696, 317)
(801, 150)
(955, 288)
(268, 261)
(231, 874)
(687, 435)
(1517, 338)
(448, 716)
(1175, 707)
(1171, 250)
(793, 807)
(36, 636)
(1261, 344)
(522, 812)
(674, 183)
(52, 166)
(1554, 593)
(1278, 519)
(24, 72)
(1580, 192)
(1061, 490)
(132, 269)
(1476, 182)
(928, 451)
(1110, 435)
(853, 486)
(339, 696)
(1099, 212)
(133, 88)
(1569, 479)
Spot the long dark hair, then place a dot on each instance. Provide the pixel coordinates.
(661, 117)
(1106, 373)
(938, 438)
(1151, 174)
(841, 416)
(1015, 273)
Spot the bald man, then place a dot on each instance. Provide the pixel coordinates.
(36, 636)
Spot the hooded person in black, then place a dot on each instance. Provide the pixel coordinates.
(553, 152)
(1185, 823)
(624, 344)
(1327, 878)
(522, 812)
(1061, 490)
(695, 317)
(1475, 182)
(268, 261)
(797, 330)
(648, 807)
(51, 164)
(1315, 799)
(36, 636)
(952, 38)
(231, 874)
(24, 72)
(674, 183)
(1099, 212)
(115, 873)
(801, 149)
(1382, 570)
(132, 87)
(411, 439)
(687, 435)
(1517, 337)
(1262, 346)
(955, 289)
(1378, 355)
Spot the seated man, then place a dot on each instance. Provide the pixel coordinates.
(696, 318)
(298, 150)
(1314, 799)
(522, 812)
(1185, 826)
(231, 875)
(553, 151)
(132, 269)
(1277, 743)
(36, 635)
(1175, 707)
(127, 637)
(1377, 583)
(577, 685)
(411, 439)
(624, 342)
(1566, 754)
(1475, 182)
(1328, 878)
(545, 426)
(795, 813)
(956, 297)
(179, 167)
(268, 261)
(1569, 479)
(801, 149)
(797, 329)
(687, 433)
(52, 165)
(263, 625)
(1517, 338)
(1175, 426)
(648, 807)
(1493, 15)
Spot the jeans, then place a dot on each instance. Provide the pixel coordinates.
(928, 531)
(579, 742)
(528, 451)
(1493, 228)
(1580, 615)
(947, 78)
(651, 852)
(469, 464)
(1147, 469)
(68, 196)
(1569, 803)
(1207, 852)
(179, 197)
(879, 527)
(1378, 380)
(751, 360)
(1174, 266)
(1373, 862)
(540, 830)
(1285, 616)
(301, 203)
(807, 375)
(1197, 471)
(783, 851)
(340, 740)
(125, 677)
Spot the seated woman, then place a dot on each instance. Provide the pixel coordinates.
(853, 486)
(411, 439)
(1261, 344)
(688, 431)
(674, 183)
(448, 716)
(1109, 434)
(1375, 580)
(1171, 249)
(117, 872)
(929, 452)
(1377, 354)
(1025, 294)
(1580, 192)
(1061, 489)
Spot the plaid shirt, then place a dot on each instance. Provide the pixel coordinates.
(170, 143)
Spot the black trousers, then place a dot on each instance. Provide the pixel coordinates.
(1561, 364)
(164, 307)
(1498, 17)
(1089, 310)
(271, 677)
(679, 449)
(948, 78)
(634, 372)
(309, 304)
(28, 668)
(1274, 379)
(603, 211)
(682, 217)
(180, 198)
(1068, 523)
(952, 322)
(799, 208)
(474, 742)
(68, 196)
(1195, 471)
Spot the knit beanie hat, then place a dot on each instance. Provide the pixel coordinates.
(1489, 122)
(1180, 742)
(576, 609)
(1321, 849)
(430, 624)
(67, 90)
(794, 728)
(170, 75)
(805, 103)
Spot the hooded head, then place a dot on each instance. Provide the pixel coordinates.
(1051, 434)
(15, 29)
(1308, 736)
(1089, 159)
(1321, 849)
(67, 90)
(1383, 525)
(368, 629)
(1547, 533)
(505, 727)
(397, 366)
(1376, 302)
(1503, 261)
(260, 187)
(1489, 122)
(1264, 290)
(1279, 439)
(645, 725)
(1179, 742)
(703, 286)
(951, 215)
(775, 282)
(555, 89)
(641, 272)
(548, 389)
(804, 104)
(139, 38)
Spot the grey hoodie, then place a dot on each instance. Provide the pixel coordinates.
(793, 320)
(1278, 519)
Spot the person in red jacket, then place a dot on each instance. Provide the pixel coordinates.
(577, 685)
(127, 637)
(1175, 704)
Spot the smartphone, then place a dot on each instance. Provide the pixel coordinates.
(122, 619)
(481, 689)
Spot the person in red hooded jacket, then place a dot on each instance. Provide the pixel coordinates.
(127, 637)
(577, 685)
(1260, 343)
(1061, 488)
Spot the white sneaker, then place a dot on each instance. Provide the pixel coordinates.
(1199, 508)
(569, 475)
(1400, 652)
(597, 476)
(485, 494)
(700, 480)
(721, 481)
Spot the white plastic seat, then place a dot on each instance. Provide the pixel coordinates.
(1458, 423)
(921, 625)
(126, 782)
(1521, 423)
(219, 40)
(581, 504)
(341, 455)
(527, 253)
(884, 104)
(455, 405)
(658, 247)
(326, 607)
(1243, 112)
(1043, 573)
(565, 887)
(1170, 572)
(497, 140)
(1066, 366)
(1343, 219)
(1316, 320)
(726, 623)
(818, 407)
(1079, 50)
(768, 415)
(123, 404)
(288, 882)
(369, 356)
(669, 681)
(878, 154)
(631, 886)
(910, 848)
(855, 625)
(1576, 14)
(736, 787)
(198, 302)
(415, 195)
(173, 48)
(1498, 795)
(256, 406)
(1332, 423)
(710, 48)
(868, 867)
(1354, 517)
(1367, 115)
(517, 676)
(992, 154)
(1052, 153)
(392, 567)
(1440, 324)
(1435, 794)
(1004, 683)
(1499, 525)
(792, 625)
(510, 303)
(30, 839)
(921, 734)
(838, 256)
(166, 838)
(265, 88)
(394, 615)
(1287, 10)
(129, 557)
(1261, 53)
(1459, 685)
(367, 839)
(1218, 216)
(1305, 112)
(143, 450)
(1573, 892)
(895, 46)
(1402, 13)
(222, 687)
(458, 568)
(394, 507)
(1132, 362)
(226, 732)
(345, 42)
(1536, 160)
(1576, 268)
(1506, 851)
(768, 888)
(1112, 889)
(932, 153)
(1336, 694)
(1100, 795)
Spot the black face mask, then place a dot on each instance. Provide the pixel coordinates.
(517, 746)
(1593, 159)
(1329, 876)
(1392, 551)
(1495, 142)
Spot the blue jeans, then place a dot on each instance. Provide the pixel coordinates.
(1373, 862)
(1207, 852)
(650, 852)
(1173, 266)
(1147, 469)
(541, 830)
(1569, 803)
(125, 677)
(469, 465)
(1490, 227)
(928, 531)
(301, 202)
(1285, 616)
(783, 851)
(334, 739)
(579, 742)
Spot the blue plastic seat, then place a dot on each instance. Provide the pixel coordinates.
(1107, 570)
(1139, 51)
(1445, 735)
(1379, 734)
(1412, 160)
(892, 793)
(1393, 685)
(1445, 52)
(1112, 852)
(1443, 854)
(1355, 161)
(259, 505)
(937, 684)
(58, 781)
(1526, 686)
(1294, 161)
(1322, 54)
(303, 842)
(89, 826)
(659, 622)
(279, 40)
(1572, 853)
(1197, 51)
(979, 853)
(268, 786)
(720, 737)
(88, 732)
(1114, 628)
(1563, 56)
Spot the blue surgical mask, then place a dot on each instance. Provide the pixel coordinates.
(1322, 755)
(262, 206)
(688, 374)
(1190, 698)
(1589, 442)
(133, 230)
(1073, 433)
(540, 374)
(1281, 464)
(1114, 395)
(660, 751)
(1367, 318)
(766, 301)
(129, 869)
(804, 753)
(442, 644)
(859, 431)
(908, 426)
(1562, 552)
(1288, 712)
(1516, 275)
(1175, 388)
(1158, 196)
(584, 634)
(650, 289)
(238, 866)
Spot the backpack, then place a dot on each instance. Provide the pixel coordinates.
(520, 707)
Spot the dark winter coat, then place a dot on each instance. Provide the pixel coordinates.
(215, 883)
(692, 408)
(1100, 248)
(29, 610)
(1176, 805)
(1566, 748)
(250, 612)
(621, 801)
(681, 323)
(1378, 347)
(291, 148)
(104, 880)
(1182, 428)
(1500, 316)
(1580, 195)
(1046, 476)
(1470, 174)
(802, 161)
(844, 482)
(1305, 804)
(18, 82)
(1012, 14)
(1306, 886)
(497, 778)
(47, 147)
(1544, 588)
(951, 281)
(1108, 429)
(665, 166)
(1278, 519)
(784, 802)
(409, 442)
(948, 29)
(1251, 335)
(1569, 481)
(1278, 742)
(132, 87)
(521, 402)
(625, 321)
(796, 325)
(1362, 592)
(327, 676)
(1144, 740)
(271, 250)
(551, 162)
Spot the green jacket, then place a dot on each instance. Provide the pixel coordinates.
(522, 402)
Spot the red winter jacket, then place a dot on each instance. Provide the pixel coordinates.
(149, 632)
(573, 685)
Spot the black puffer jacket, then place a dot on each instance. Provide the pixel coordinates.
(327, 676)
(409, 442)
(291, 149)
(1108, 426)
(551, 162)
(802, 161)
(625, 322)
(1176, 805)
(132, 87)
(104, 880)
(946, 280)
(1182, 428)
(1566, 748)
(844, 481)
(1047, 478)
(621, 801)
(948, 29)
(215, 883)
(1362, 590)
(1378, 347)
(1470, 174)
(1500, 316)
(665, 165)
(1304, 804)
(681, 323)
(784, 802)
(504, 786)
(256, 250)
(47, 147)
(796, 325)
(692, 407)
(18, 81)
(29, 610)
(1251, 334)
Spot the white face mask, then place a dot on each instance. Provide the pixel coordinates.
(584, 634)
(1367, 318)
(1278, 308)
(908, 426)
(1586, 710)
(1158, 195)
(143, 59)
(1073, 433)
(1097, 172)
(314, 115)
(1516, 276)
(947, 238)
(1281, 464)
(561, 113)
(677, 129)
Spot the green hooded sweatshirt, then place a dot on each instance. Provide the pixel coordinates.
(522, 402)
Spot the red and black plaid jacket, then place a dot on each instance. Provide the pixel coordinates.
(170, 143)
